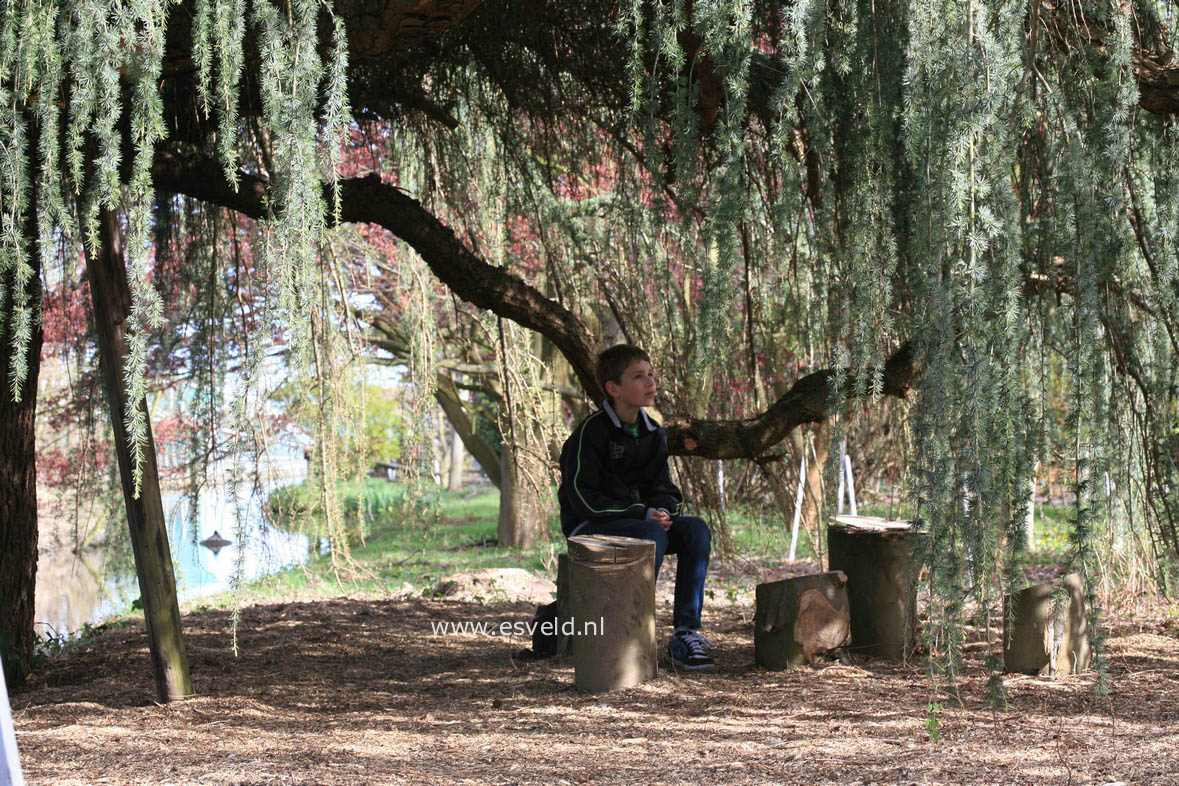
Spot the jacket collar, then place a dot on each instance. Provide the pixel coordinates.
(609, 410)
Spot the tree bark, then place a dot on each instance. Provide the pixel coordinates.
(447, 397)
(111, 299)
(797, 620)
(18, 477)
(523, 509)
(455, 481)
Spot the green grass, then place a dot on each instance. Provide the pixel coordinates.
(294, 508)
(457, 537)
(1052, 527)
(760, 532)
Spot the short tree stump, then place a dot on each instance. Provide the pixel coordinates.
(800, 620)
(1048, 629)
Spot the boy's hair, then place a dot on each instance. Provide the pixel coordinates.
(613, 362)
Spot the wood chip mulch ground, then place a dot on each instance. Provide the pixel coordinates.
(352, 691)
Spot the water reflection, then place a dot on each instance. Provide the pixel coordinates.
(75, 589)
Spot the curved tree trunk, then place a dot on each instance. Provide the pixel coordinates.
(447, 397)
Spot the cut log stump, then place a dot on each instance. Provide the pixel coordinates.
(875, 555)
(800, 620)
(1049, 630)
(612, 600)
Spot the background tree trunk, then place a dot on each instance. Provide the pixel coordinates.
(447, 397)
(455, 481)
(18, 488)
(523, 510)
(812, 500)
(111, 297)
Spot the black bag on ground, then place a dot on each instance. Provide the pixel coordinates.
(544, 636)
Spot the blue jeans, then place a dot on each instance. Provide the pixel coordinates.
(690, 539)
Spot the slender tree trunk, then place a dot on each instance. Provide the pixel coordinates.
(812, 502)
(18, 477)
(447, 396)
(111, 299)
(523, 509)
(455, 482)
(785, 491)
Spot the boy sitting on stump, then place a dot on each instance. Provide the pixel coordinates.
(615, 481)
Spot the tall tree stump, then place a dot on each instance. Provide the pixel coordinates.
(876, 556)
(1048, 632)
(798, 620)
(612, 599)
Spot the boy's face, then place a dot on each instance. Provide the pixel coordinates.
(637, 386)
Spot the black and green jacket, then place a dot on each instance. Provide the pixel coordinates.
(610, 472)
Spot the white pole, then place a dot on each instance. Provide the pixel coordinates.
(851, 485)
(798, 507)
(839, 493)
(9, 760)
(720, 482)
(1030, 527)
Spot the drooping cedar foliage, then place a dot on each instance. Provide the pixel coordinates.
(988, 184)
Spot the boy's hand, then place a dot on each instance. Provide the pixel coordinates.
(662, 518)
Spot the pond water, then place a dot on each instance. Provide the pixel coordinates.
(76, 589)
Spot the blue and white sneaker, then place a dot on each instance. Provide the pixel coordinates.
(688, 650)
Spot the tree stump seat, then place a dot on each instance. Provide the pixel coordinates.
(1048, 630)
(876, 556)
(799, 620)
(611, 600)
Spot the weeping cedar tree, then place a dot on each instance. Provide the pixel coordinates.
(961, 188)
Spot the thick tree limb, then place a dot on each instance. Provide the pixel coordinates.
(367, 199)
(807, 401)
(1158, 82)
(394, 44)
(1155, 67)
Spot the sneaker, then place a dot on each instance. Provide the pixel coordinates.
(687, 651)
